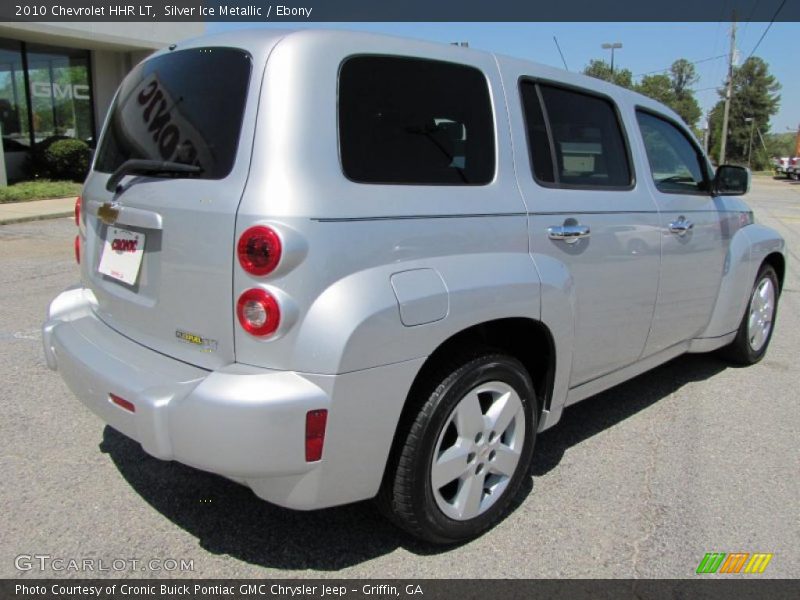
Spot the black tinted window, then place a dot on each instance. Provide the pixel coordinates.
(413, 121)
(185, 107)
(585, 145)
(675, 162)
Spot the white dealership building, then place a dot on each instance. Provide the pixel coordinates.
(58, 79)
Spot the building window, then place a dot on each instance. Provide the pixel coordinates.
(45, 94)
(13, 107)
(60, 92)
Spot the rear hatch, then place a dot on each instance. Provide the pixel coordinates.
(160, 259)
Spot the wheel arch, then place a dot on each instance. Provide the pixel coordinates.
(778, 262)
(749, 248)
(528, 340)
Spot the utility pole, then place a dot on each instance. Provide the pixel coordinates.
(728, 92)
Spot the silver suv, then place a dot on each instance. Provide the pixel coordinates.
(336, 266)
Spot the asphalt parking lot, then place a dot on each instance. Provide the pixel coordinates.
(640, 481)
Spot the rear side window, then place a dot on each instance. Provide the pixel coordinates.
(414, 121)
(575, 138)
(677, 165)
(185, 107)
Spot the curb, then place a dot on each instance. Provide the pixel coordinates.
(35, 218)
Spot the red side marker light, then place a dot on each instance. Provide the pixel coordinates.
(122, 403)
(315, 433)
(78, 249)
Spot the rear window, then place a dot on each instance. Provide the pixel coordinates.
(184, 107)
(575, 138)
(415, 121)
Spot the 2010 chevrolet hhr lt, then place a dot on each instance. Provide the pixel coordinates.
(335, 266)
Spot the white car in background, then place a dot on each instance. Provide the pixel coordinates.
(793, 170)
(786, 165)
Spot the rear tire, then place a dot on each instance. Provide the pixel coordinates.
(460, 459)
(755, 330)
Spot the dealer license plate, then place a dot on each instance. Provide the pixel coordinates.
(122, 254)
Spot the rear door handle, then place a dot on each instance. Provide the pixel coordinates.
(568, 233)
(681, 227)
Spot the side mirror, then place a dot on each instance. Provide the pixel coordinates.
(731, 180)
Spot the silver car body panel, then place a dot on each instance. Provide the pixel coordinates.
(375, 278)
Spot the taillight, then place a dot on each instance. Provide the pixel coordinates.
(258, 312)
(259, 250)
(315, 433)
(78, 211)
(78, 249)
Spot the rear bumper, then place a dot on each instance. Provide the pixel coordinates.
(242, 422)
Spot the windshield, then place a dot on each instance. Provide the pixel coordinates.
(183, 107)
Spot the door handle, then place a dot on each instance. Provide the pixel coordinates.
(681, 227)
(568, 233)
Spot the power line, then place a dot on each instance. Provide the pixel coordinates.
(763, 35)
(750, 18)
(693, 62)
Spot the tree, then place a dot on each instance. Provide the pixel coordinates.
(754, 95)
(674, 90)
(688, 108)
(683, 76)
(600, 69)
(657, 87)
(780, 144)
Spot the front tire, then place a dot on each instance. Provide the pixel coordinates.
(755, 330)
(463, 456)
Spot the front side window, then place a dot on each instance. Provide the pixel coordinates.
(675, 162)
(575, 138)
(185, 106)
(414, 121)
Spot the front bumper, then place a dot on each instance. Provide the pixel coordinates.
(242, 422)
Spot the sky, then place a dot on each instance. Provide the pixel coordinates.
(646, 47)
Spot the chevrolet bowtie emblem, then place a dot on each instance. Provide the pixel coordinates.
(108, 213)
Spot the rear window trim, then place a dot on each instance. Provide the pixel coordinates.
(492, 106)
(247, 92)
(557, 185)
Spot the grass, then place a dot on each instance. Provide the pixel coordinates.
(39, 189)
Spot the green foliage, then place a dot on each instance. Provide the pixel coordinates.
(67, 159)
(674, 90)
(688, 108)
(683, 76)
(600, 69)
(781, 144)
(657, 87)
(39, 189)
(755, 95)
